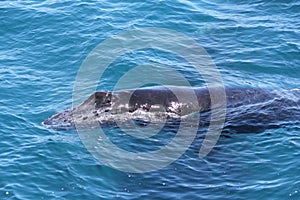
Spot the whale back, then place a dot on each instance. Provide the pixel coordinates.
(247, 109)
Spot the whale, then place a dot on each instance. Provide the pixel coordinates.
(247, 109)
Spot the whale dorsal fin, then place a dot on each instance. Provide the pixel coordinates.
(98, 100)
(102, 98)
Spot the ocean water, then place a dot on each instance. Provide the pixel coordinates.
(43, 44)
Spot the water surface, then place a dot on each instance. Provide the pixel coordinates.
(43, 43)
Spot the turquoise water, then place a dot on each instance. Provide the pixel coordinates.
(43, 43)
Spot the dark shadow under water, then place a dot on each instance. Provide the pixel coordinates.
(247, 110)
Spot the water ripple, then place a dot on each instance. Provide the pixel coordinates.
(254, 44)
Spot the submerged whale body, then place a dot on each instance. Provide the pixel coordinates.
(247, 110)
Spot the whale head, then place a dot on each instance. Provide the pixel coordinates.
(86, 114)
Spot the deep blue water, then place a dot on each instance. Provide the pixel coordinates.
(43, 44)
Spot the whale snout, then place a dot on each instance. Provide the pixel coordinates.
(60, 121)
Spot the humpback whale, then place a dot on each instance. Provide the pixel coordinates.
(247, 109)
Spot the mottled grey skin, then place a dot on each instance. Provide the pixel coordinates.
(106, 108)
(248, 110)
